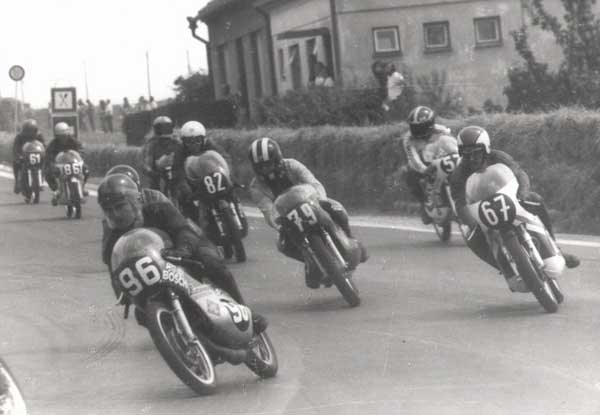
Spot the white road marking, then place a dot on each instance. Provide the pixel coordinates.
(373, 222)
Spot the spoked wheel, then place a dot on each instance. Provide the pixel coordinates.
(443, 231)
(262, 359)
(189, 360)
(235, 236)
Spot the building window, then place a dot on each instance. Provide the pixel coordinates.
(437, 36)
(386, 40)
(487, 31)
(222, 65)
(281, 61)
(255, 52)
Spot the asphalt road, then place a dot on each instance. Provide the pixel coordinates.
(438, 332)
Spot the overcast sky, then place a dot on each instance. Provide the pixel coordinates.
(52, 39)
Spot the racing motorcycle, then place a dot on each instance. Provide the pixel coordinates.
(31, 177)
(194, 325)
(439, 204)
(519, 241)
(70, 169)
(216, 202)
(167, 177)
(324, 244)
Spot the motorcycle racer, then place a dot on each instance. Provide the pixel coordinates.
(161, 144)
(63, 141)
(29, 132)
(424, 142)
(477, 154)
(126, 207)
(273, 176)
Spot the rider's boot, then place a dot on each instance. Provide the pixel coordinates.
(571, 261)
(259, 323)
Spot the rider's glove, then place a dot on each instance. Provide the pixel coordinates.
(182, 252)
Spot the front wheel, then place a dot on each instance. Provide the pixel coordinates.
(262, 359)
(235, 236)
(190, 361)
(335, 271)
(540, 287)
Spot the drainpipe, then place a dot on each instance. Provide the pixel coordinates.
(270, 48)
(193, 25)
(336, 40)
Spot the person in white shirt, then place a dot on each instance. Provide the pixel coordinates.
(395, 86)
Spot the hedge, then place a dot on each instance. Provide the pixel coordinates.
(362, 166)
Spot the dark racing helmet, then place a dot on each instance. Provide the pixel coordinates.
(421, 122)
(473, 146)
(120, 200)
(193, 135)
(265, 156)
(127, 170)
(30, 128)
(162, 127)
(62, 130)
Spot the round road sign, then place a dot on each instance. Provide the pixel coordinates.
(16, 72)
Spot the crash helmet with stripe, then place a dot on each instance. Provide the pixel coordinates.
(265, 156)
(421, 122)
(473, 147)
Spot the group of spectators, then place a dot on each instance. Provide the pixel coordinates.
(87, 115)
(391, 85)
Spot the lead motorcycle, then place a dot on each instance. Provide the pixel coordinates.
(519, 241)
(194, 325)
(216, 202)
(70, 168)
(439, 204)
(30, 174)
(323, 243)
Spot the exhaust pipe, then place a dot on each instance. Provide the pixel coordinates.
(233, 356)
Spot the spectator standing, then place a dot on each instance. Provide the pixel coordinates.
(142, 104)
(82, 115)
(152, 105)
(378, 69)
(126, 107)
(102, 114)
(323, 77)
(108, 116)
(91, 113)
(395, 86)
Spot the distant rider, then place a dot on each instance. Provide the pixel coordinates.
(424, 142)
(477, 154)
(160, 147)
(195, 142)
(29, 132)
(273, 176)
(63, 141)
(126, 207)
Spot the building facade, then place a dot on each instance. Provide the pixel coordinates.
(272, 46)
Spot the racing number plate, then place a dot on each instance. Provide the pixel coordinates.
(497, 211)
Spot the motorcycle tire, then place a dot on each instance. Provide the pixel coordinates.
(335, 271)
(36, 197)
(69, 211)
(78, 210)
(539, 287)
(443, 231)
(235, 237)
(262, 358)
(161, 325)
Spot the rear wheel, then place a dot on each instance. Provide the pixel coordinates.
(539, 286)
(262, 359)
(190, 361)
(77, 210)
(235, 236)
(335, 271)
(443, 231)
(36, 197)
(69, 211)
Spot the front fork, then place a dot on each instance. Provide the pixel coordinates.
(181, 322)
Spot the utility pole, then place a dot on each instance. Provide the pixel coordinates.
(87, 92)
(189, 67)
(148, 74)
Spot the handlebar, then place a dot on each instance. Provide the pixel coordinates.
(177, 260)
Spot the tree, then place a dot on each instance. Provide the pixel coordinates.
(577, 80)
(195, 87)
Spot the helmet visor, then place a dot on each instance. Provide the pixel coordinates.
(421, 130)
(472, 156)
(163, 129)
(265, 168)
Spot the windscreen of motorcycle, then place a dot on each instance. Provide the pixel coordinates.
(483, 185)
(294, 196)
(68, 157)
(140, 243)
(206, 164)
(443, 146)
(34, 146)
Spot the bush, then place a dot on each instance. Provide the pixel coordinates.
(320, 106)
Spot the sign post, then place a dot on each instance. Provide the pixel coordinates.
(64, 108)
(17, 73)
